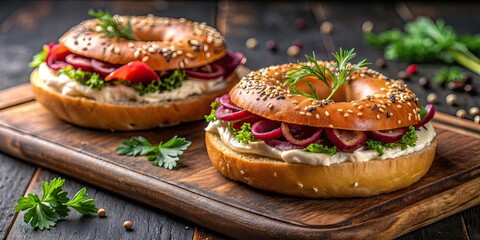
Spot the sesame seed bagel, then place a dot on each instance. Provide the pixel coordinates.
(123, 116)
(163, 43)
(348, 179)
(369, 101)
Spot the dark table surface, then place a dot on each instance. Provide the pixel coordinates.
(26, 25)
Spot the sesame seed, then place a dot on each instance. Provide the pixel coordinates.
(340, 110)
(345, 115)
(297, 107)
(330, 125)
(242, 172)
(327, 113)
(399, 122)
(350, 111)
(302, 113)
(355, 184)
(308, 114)
(360, 107)
(144, 59)
(317, 116)
(300, 185)
(359, 114)
(399, 106)
(381, 110)
(315, 189)
(378, 116)
(275, 174)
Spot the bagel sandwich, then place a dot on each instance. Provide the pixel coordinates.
(321, 129)
(133, 72)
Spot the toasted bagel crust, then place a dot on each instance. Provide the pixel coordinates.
(163, 43)
(349, 179)
(123, 116)
(368, 102)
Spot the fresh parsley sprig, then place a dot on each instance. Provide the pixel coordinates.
(447, 75)
(166, 83)
(322, 73)
(91, 79)
(43, 213)
(211, 117)
(39, 58)
(165, 155)
(111, 27)
(244, 135)
(318, 148)
(426, 40)
(409, 139)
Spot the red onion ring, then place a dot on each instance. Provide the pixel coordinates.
(430, 114)
(282, 145)
(79, 62)
(217, 71)
(231, 61)
(252, 119)
(227, 102)
(267, 129)
(301, 135)
(226, 114)
(103, 68)
(388, 136)
(346, 140)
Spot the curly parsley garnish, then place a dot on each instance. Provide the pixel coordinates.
(313, 69)
(318, 148)
(409, 139)
(165, 155)
(244, 135)
(428, 40)
(379, 146)
(211, 117)
(39, 58)
(93, 80)
(43, 213)
(167, 83)
(111, 27)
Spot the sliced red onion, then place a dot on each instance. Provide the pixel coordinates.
(56, 57)
(346, 140)
(226, 114)
(103, 68)
(252, 119)
(267, 129)
(301, 135)
(217, 71)
(430, 113)
(79, 62)
(227, 102)
(234, 59)
(388, 136)
(282, 145)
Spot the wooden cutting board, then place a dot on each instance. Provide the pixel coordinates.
(197, 192)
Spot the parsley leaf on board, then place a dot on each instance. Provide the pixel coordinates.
(426, 40)
(319, 148)
(43, 213)
(165, 155)
(111, 27)
(312, 69)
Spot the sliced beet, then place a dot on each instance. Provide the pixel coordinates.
(388, 136)
(346, 140)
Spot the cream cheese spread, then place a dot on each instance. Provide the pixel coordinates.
(425, 137)
(121, 93)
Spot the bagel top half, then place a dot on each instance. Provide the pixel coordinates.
(369, 101)
(162, 43)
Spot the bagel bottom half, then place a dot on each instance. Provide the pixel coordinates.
(352, 179)
(124, 116)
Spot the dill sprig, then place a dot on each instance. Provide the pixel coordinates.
(111, 27)
(313, 69)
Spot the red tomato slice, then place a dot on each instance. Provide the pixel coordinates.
(135, 72)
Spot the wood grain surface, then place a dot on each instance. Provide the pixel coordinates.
(26, 25)
(29, 132)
